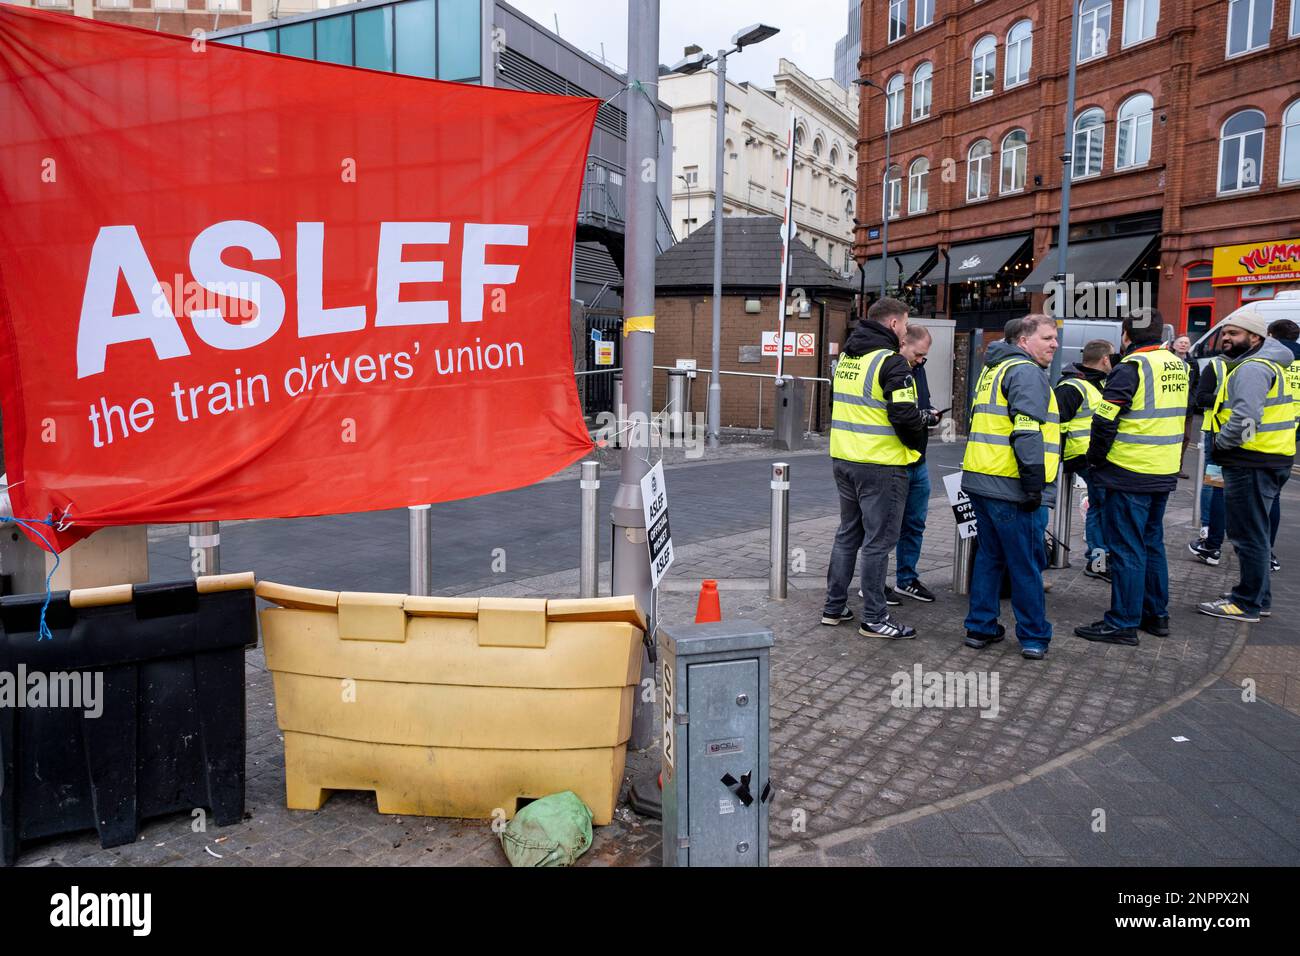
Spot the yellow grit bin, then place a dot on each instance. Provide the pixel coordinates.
(452, 707)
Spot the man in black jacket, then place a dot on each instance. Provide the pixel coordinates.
(1077, 396)
(877, 430)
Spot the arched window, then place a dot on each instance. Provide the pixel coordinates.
(1020, 48)
(1140, 20)
(1094, 29)
(835, 156)
(1133, 132)
(918, 186)
(1249, 22)
(983, 66)
(799, 136)
(893, 192)
(894, 101)
(1241, 151)
(1015, 161)
(922, 83)
(817, 147)
(1291, 140)
(1089, 142)
(979, 170)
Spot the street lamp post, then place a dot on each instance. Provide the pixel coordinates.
(1067, 173)
(694, 63)
(884, 226)
(688, 200)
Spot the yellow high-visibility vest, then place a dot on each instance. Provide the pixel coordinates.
(1077, 432)
(1275, 435)
(860, 427)
(1150, 436)
(1293, 383)
(988, 445)
(1220, 366)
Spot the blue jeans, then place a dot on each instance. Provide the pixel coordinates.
(908, 551)
(1010, 540)
(1249, 494)
(871, 512)
(1094, 530)
(1211, 502)
(1139, 586)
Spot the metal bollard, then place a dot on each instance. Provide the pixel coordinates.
(205, 547)
(619, 411)
(588, 582)
(778, 573)
(1061, 519)
(676, 401)
(963, 564)
(1198, 483)
(421, 551)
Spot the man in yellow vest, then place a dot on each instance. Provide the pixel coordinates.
(1135, 453)
(1288, 333)
(1013, 450)
(1253, 422)
(877, 430)
(1078, 394)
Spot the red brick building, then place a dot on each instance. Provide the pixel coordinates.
(1187, 141)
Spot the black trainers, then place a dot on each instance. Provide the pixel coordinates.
(1157, 626)
(916, 591)
(889, 629)
(891, 598)
(1103, 633)
(1203, 554)
(833, 619)
(981, 641)
(1033, 653)
(1274, 564)
(1093, 573)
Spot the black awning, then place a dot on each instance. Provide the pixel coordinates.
(976, 261)
(1101, 260)
(912, 263)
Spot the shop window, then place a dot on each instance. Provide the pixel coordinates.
(1198, 298)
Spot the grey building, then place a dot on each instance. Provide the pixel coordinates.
(849, 47)
(493, 44)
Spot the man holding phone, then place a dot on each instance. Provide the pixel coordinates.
(915, 347)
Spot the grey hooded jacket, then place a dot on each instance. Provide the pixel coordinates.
(1027, 390)
(1248, 386)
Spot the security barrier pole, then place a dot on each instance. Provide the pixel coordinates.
(1061, 518)
(205, 547)
(421, 548)
(778, 573)
(963, 557)
(589, 583)
(1198, 483)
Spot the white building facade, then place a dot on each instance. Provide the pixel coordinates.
(826, 135)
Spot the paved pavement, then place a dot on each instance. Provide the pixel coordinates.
(858, 779)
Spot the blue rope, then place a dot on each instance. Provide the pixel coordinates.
(32, 525)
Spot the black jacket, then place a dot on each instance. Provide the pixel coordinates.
(1121, 386)
(1068, 400)
(895, 373)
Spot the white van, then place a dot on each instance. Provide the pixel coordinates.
(1285, 305)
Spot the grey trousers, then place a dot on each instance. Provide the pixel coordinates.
(872, 501)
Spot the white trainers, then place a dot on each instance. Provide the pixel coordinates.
(889, 629)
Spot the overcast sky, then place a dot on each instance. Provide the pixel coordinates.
(809, 29)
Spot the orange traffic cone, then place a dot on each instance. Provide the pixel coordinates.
(708, 610)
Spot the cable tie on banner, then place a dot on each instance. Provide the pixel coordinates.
(32, 525)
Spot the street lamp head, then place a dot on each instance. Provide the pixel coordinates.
(863, 81)
(692, 63)
(753, 34)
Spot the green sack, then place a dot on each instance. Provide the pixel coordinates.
(552, 831)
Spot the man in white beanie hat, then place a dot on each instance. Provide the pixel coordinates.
(1253, 424)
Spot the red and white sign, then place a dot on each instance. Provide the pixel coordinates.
(796, 343)
(805, 344)
(241, 285)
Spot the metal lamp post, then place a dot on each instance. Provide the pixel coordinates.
(884, 226)
(688, 198)
(1067, 173)
(694, 63)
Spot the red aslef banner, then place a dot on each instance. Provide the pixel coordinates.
(241, 285)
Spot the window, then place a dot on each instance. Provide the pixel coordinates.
(415, 30)
(1290, 172)
(113, 3)
(1248, 24)
(921, 89)
(897, 19)
(68, 3)
(894, 192)
(259, 39)
(692, 174)
(296, 40)
(1241, 151)
(334, 40)
(817, 147)
(1089, 142)
(983, 67)
(234, 5)
(798, 136)
(1020, 46)
(374, 35)
(924, 13)
(169, 4)
(1015, 161)
(1198, 298)
(979, 171)
(894, 102)
(835, 156)
(1140, 19)
(459, 22)
(1295, 18)
(918, 186)
(1094, 29)
(1133, 132)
